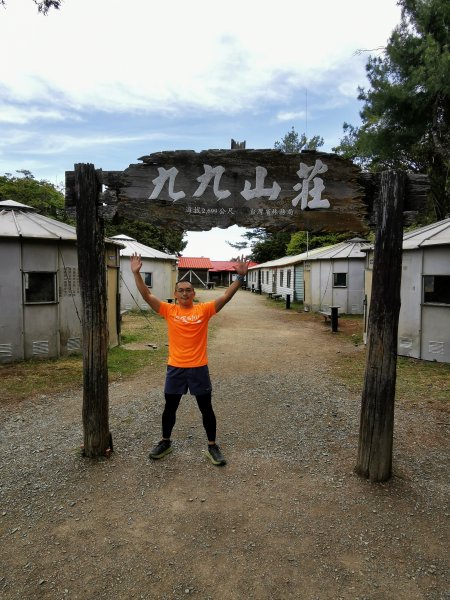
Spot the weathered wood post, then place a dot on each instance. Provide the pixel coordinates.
(92, 276)
(377, 405)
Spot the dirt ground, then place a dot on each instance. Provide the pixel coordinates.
(286, 518)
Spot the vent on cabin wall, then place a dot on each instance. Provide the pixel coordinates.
(5, 351)
(405, 342)
(40, 348)
(436, 347)
(73, 344)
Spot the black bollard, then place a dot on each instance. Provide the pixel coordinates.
(288, 301)
(334, 318)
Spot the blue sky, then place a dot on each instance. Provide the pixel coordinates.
(109, 81)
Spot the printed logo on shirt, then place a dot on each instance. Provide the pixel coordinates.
(192, 319)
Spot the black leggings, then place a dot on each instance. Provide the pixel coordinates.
(170, 414)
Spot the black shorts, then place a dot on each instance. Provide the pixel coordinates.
(195, 379)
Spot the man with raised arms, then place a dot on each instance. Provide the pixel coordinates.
(187, 365)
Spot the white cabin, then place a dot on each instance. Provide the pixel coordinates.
(40, 297)
(424, 320)
(159, 272)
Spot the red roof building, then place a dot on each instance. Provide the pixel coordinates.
(195, 270)
(222, 271)
(187, 262)
(201, 271)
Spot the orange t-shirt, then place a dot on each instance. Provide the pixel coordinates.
(188, 333)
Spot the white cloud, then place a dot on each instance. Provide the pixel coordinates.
(56, 144)
(146, 55)
(291, 116)
(21, 115)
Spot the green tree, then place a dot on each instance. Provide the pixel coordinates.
(406, 111)
(49, 201)
(291, 142)
(42, 195)
(264, 245)
(43, 5)
(301, 241)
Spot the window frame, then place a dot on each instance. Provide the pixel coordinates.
(434, 302)
(26, 287)
(144, 276)
(340, 285)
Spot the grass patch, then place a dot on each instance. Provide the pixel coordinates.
(417, 381)
(40, 377)
(32, 378)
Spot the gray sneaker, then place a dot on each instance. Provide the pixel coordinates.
(215, 455)
(161, 449)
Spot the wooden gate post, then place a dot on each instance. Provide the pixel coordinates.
(92, 276)
(377, 405)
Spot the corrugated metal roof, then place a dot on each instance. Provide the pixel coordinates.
(131, 246)
(349, 249)
(20, 220)
(436, 234)
(290, 260)
(186, 262)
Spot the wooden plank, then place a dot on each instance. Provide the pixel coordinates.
(231, 196)
(377, 405)
(251, 188)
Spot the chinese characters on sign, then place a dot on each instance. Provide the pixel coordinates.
(310, 186)
(274, 212)
(196, 191)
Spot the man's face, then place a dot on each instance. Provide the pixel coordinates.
(184, 293)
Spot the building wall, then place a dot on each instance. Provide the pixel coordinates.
(41, 321)
(299, 282)
(423, 329)
(323, 293)
(282, 280)
(163, 282)
(11, 313)
(46, 329)
(252, 279)
(70, 305)
(411, 298)
(435, 342)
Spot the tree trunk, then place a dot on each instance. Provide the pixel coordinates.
(377, 406)
(92, 275)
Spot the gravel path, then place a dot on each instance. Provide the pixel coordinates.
(286, 518)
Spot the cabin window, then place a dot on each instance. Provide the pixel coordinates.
(39, 287)
(339, 279)
(288, 278)
(148, 279)
(436, 289)
(281, 277)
